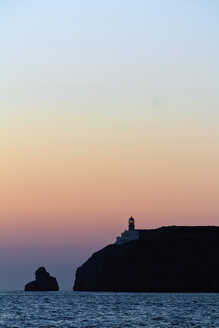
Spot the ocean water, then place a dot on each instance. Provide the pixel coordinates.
(81, 309)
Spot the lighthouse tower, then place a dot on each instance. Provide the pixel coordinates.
(128, 235)
(131, 223)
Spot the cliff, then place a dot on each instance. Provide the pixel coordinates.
(168, 259)
(43, 282)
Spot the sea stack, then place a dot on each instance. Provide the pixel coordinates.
(167, 259)
(43, 282)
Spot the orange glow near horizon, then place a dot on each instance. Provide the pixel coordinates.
(55, 188)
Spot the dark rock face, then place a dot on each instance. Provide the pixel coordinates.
(43, 282)
(168, 259)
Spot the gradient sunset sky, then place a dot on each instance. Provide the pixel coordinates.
(108, 109)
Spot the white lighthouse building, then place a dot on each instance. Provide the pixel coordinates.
(128, 235)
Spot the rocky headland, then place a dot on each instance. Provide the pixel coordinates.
(43, 282)
(167, 259)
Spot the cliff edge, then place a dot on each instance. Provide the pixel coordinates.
(167, 259)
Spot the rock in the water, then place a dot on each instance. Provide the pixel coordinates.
(168, 259)
(43, 282)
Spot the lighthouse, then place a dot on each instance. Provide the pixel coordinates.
(128, 235)
(131, 223)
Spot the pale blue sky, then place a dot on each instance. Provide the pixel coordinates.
(142, 49)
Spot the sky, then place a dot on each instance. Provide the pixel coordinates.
(108, 109)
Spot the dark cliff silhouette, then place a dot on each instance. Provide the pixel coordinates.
(43, 282)
(168, 259)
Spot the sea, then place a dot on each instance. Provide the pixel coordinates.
(89, 309)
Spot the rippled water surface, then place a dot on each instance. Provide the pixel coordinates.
(75, 309)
